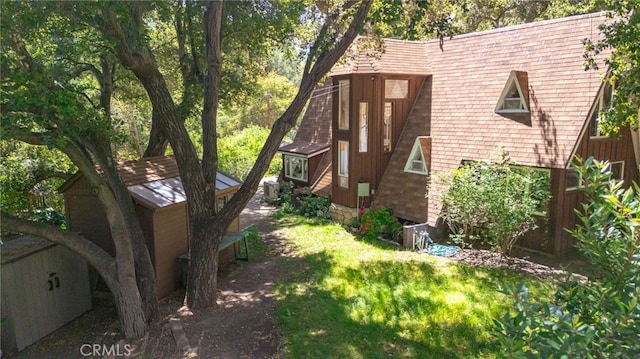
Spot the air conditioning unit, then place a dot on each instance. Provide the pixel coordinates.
(271, 191)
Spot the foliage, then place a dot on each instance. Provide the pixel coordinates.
(494, 203)
(49, 215)
(237, 153)
(268, 102)
(620, 43)
(599, 318)
(380, 222)
(349, 298)
(30, 177)
(314, 206)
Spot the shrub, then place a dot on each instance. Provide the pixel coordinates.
(494, 203)
(599, 318)
(380, 222)
(314, 206)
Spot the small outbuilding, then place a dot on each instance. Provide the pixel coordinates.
(160, 201)
(44, 286)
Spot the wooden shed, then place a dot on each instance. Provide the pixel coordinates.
(44, 286)
(160, 201)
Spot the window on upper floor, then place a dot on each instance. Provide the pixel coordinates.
(601, 105)
(416, 162)
(296, 167)
(513, 98)
(343, 104)
(396, 89)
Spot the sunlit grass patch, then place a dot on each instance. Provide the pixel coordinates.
(371, 299)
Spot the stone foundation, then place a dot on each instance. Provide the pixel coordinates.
(342, 214)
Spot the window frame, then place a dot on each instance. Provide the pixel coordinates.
(363, 131)
(344, 87)
(621, 163)
(597, 109)
(580, 184)
(512, 81)
(396, 84)
(408, 167)
(288, 171)
(343, 164)
(387, 127)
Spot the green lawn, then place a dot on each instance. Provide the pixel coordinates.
(348, 298)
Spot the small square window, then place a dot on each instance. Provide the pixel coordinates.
(617, 170)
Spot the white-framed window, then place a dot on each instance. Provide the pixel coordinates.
(617, 170)
(602, 104)
(343, 164)
(575, 180)
(343, 104)
(416, 162)
(387, 119)
(364, 126)
(296, 167)
(512, 99)
(396, 89)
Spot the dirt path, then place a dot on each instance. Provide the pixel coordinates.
(242, 325)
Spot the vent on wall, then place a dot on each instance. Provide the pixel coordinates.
(271, 190)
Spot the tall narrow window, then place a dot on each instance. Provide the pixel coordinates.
(364, 126)
(343, 105)
(388, 115)
(343, 164)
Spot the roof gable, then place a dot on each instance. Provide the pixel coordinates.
(467, 82)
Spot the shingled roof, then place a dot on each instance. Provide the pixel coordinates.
(395, 57)
(470, 73)
(155, 181)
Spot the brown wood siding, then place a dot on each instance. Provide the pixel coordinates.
(368, 166)
(86, 215)
(171, 241)
(601, 149)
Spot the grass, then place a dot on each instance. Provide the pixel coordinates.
(349, 298)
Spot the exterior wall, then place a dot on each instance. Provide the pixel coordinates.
(402, 191)
(170, 242)
(86, 215)
(601, 149)
(342, 214)
(368, 166)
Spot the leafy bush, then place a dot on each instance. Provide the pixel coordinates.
(314, 206)
(237, 153)
(380, 222)
(48, 215)
(493, 203)
(599, 318)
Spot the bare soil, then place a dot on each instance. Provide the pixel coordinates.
(242, 325)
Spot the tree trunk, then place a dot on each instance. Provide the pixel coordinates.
(203, 265)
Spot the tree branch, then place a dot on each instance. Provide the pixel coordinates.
(96, 256)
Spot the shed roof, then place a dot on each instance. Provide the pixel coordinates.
(155, 181)
(399, 57)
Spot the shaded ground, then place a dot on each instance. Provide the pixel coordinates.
(243, 325)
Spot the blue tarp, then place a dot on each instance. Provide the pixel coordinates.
(441, 250)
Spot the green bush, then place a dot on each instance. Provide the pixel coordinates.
(314, 206)
(493, 203)
(237, 153)
(380, 222)
(599, 318)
